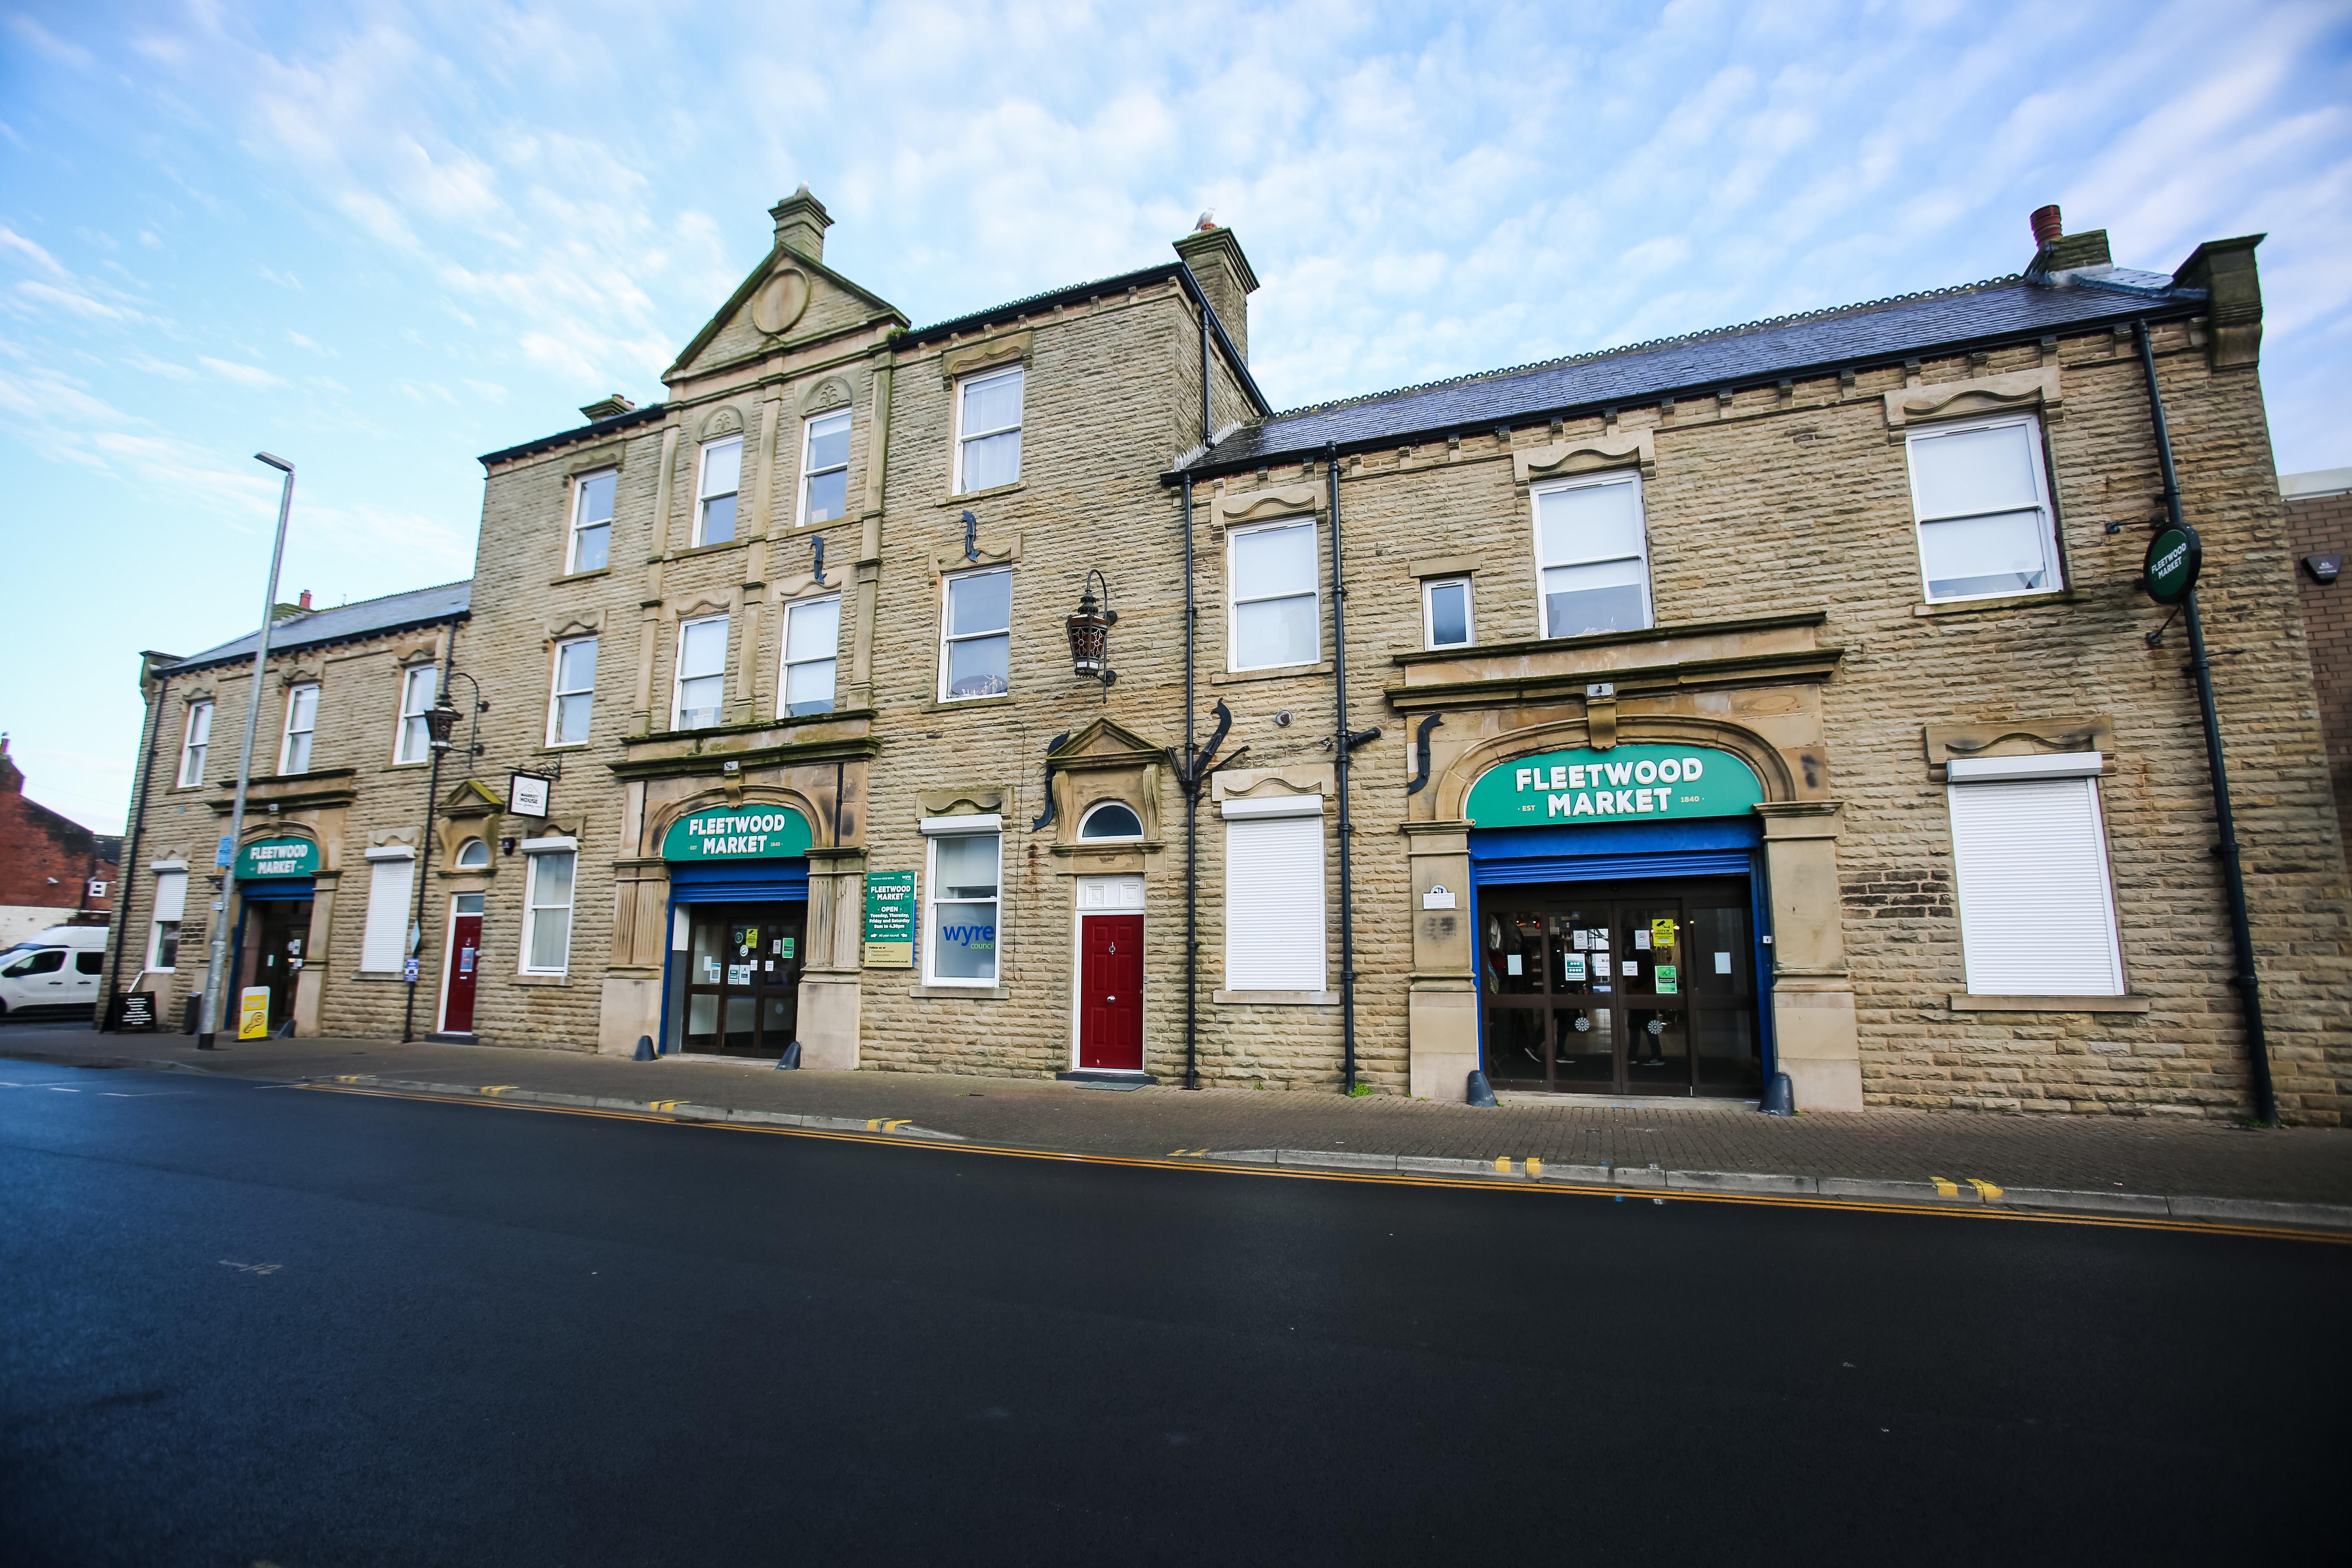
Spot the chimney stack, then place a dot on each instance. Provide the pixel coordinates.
(801, 223)
(2055, 250)
(305, 600)
(611, 406)
(1216, 259)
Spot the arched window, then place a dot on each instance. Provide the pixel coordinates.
(472, 855)
(1111, 820)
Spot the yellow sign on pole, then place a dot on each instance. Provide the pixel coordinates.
(253, 1012)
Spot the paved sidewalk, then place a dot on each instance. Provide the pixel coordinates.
(1620, 1139)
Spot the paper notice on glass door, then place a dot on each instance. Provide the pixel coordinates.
(1723, 963)
(1572, 966)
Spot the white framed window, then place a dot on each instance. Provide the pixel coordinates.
(1274, 894)
(988, 430)
(1445, 613)
(547, 906)
(722, 476)
(1111, 819)
(473, 855)
(701, 673)
(194, 743)
(1276, 607)
(170, 906)
(811, 647)
(976, 634)
(301, 723)
(592, 521)
(419, 687)
(2029, 868)
(825, 468)
(392, 877)
(573, 692)
(1981, 497)
(960, 924)
(1592, 557)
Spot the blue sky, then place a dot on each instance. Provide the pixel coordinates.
(381, 239)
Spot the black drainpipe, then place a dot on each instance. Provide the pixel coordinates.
(2234, 876)
(101, 1018)
(1192, 781)
(424, 849)
(1345, 742)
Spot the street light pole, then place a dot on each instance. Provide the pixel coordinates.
(214, 973)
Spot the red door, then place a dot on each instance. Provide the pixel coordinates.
(1110, 998)
(465, 958)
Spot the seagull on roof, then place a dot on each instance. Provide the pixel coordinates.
(1208, 220)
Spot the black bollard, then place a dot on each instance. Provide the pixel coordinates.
(644, 1048)
(1481, 1091)
(790, 1058)
(1779, 1096)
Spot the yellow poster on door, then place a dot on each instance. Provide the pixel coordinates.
(1662, 934)
(253, 1012)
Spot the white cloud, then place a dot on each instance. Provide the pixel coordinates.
(46, 44)
(242, 374)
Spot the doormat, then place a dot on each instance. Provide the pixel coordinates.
(1114, 1088)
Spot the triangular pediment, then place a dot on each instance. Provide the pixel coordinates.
(471, 798)
(1104, 740)
(786, 299)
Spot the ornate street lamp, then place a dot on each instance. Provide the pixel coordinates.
(440, 720)
(1090, 632)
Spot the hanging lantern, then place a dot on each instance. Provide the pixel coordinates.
(439, 720)
(1089, 631)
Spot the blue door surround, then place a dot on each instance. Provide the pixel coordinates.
(723, 882)
(1635, 852)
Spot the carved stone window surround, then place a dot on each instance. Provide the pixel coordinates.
(991, 353)
(1585, 455)
(2011, 392)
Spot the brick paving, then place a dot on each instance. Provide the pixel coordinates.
(2075, 1153)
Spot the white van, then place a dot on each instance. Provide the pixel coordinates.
(55, 971)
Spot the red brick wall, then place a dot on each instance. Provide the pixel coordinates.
(2322, 525)
(38, 844)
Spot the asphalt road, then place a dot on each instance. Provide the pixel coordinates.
(258, 1324)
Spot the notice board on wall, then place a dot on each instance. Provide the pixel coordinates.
(889, 920)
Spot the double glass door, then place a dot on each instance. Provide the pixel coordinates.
(1619, 988)
(743, 976)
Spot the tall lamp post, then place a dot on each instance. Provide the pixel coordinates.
(214, 975)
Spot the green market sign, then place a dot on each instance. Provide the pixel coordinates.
(732, 833)
(272, 858)
(889, 920)
(1622, 783)
(2175, 556)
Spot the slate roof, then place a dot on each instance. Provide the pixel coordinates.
(648, 415)
(2005, 309)
(344, 623)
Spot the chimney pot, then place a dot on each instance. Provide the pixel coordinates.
(306, 598)
(2047, 225)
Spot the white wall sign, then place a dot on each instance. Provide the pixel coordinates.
(527, 795)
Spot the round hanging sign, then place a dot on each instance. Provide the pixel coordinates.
(2175, 556)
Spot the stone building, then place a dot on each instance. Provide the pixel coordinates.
(53, 870)
(1771, 699)
(320, 895)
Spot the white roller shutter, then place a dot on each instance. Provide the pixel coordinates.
(1274, 903)
(389, 884)
(2029, 858)
(171, 895)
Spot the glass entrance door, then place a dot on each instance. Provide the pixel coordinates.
(743, 975)
(1620, 989)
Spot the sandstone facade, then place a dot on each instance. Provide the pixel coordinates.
(1787, 630)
